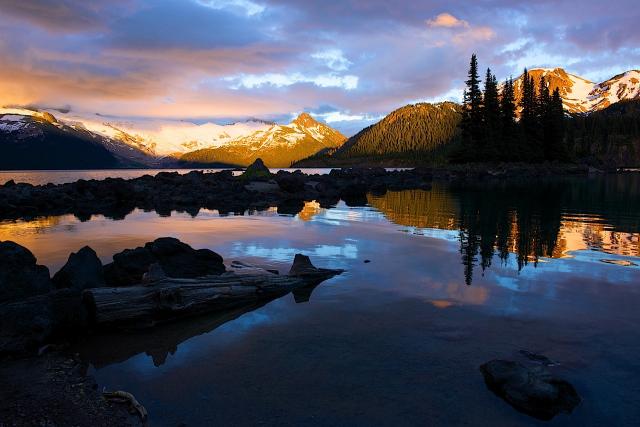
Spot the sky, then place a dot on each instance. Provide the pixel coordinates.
(347, 62)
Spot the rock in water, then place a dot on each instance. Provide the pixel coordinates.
(538, 358)
(290, 206)
(301, 265)
(257, 170)
(82, 271)
(534, 391)
(178, 259)
(20, 276)
(128, 267)
(175, 258)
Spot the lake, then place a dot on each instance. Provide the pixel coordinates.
(457, 276)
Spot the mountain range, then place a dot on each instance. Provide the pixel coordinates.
(580, 95)
(32, 138)
(277, 146)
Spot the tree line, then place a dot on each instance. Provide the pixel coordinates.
(490, 127)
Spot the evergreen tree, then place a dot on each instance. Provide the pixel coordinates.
(508, 119)
(545, 118)
(556, 131)
(472, 112)
(529, 118)
(491, 117)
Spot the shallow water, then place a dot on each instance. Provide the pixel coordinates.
(457, 277)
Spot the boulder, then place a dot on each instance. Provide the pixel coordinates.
(257, 170)
(291, 182)
(301, 265)
(82, 271)
(290, 206)
(175, 258)
(128, 267)
(179, 260)
(534, 391)
(20, 276)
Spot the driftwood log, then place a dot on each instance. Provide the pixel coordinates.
(167, 298)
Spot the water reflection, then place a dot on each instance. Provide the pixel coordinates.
(401, 337)
(499, 223)
(529, 221)
(162, 341)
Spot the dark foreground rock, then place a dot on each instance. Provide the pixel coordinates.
(55, 390)
(20, 276)
(173, 257)
(532, 390)
(82, 271)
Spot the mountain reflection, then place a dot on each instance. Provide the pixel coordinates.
(526, 221)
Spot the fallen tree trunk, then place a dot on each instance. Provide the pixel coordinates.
(171, 297)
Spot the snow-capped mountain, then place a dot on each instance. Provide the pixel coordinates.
(30, 126)
(36, 140)
(160, 142)
(164, 137)
(154, 137)
(580, 95)
(277, 146)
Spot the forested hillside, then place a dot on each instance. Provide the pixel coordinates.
(610, 137)
(414, 133)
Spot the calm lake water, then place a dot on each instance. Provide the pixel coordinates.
(457, 277)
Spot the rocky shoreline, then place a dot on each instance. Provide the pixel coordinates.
(255, 189)
(54, 389)
(41, 383)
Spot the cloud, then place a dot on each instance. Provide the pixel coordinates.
(447, 20)
(251, 81)
(333, 58)
(458, 31)
(64, 16)
(248, 7)
(344, 116)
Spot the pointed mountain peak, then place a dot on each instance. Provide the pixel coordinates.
(305, 120)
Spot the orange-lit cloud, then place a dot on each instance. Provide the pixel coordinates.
(447, 20)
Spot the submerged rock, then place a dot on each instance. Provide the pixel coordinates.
(20, 276)
(82, 271)
(534, 391)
